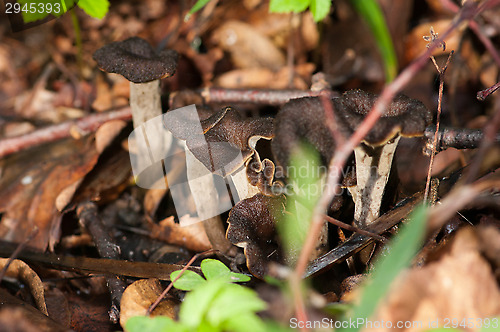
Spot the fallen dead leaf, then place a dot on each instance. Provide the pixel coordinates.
(460, 285)
(139, 296)
(248, 48)
(31, 182)
(21, 271)
(192, 237)
(262, 78)
(103, 99)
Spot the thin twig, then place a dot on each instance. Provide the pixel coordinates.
(481, 95)
(89, 218)
(164, 293)
(53, 133)
(269, 97)
(441, 72)
(453, 7)
(490, 136)
(485, 40)
(354, 229)
(16, 252)
(458, 198)
(331, 121)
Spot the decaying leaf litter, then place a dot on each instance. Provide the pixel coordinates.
(269, 59)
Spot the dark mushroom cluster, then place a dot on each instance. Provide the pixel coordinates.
(304, 119)
(225, 135)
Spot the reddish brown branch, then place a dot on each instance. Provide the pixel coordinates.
(53, 133)
(269, 97)
(481, 95)
(354, 229)
(441, 72)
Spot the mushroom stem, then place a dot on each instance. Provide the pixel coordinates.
(206, 198)
(145, 101)
(373, 166)
(243, 188)
(145, 105)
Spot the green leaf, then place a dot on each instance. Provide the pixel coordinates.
(402, 249)
(198, 302)
(320, 9)
(160, 324)
(304, 175)
(95, 8)
(198, 5)
(214, 269)
(233, 301)
(189, 280)
(372, 14)
(40, 9)
(338, 308)
(245, 323)
(287, 6)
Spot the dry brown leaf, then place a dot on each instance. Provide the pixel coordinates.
(191, 237)
(31, 182)
(31, 103)
(277, 27)
(459, 285)
(152, 200)
(13, 129)
(248, 48)
(21, 271)
(103, 99)
(139, 296)
(16, 315)
(107, 133)
(107, 180)
(261, 78)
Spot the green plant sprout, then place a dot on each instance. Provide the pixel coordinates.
(402, 249)
(213, 303)
(300, 204)
(94, 8)
(318, 8)
(372, 14)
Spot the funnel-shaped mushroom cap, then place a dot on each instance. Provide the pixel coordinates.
(136, 60)
(252, 226)
(304, 119)
(301, 119)
(406, 116)
(226, 140)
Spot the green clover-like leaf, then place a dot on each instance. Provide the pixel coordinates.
(189, 280)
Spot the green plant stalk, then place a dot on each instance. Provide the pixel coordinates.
(401, 250)
(372, 14)
(78, 40)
